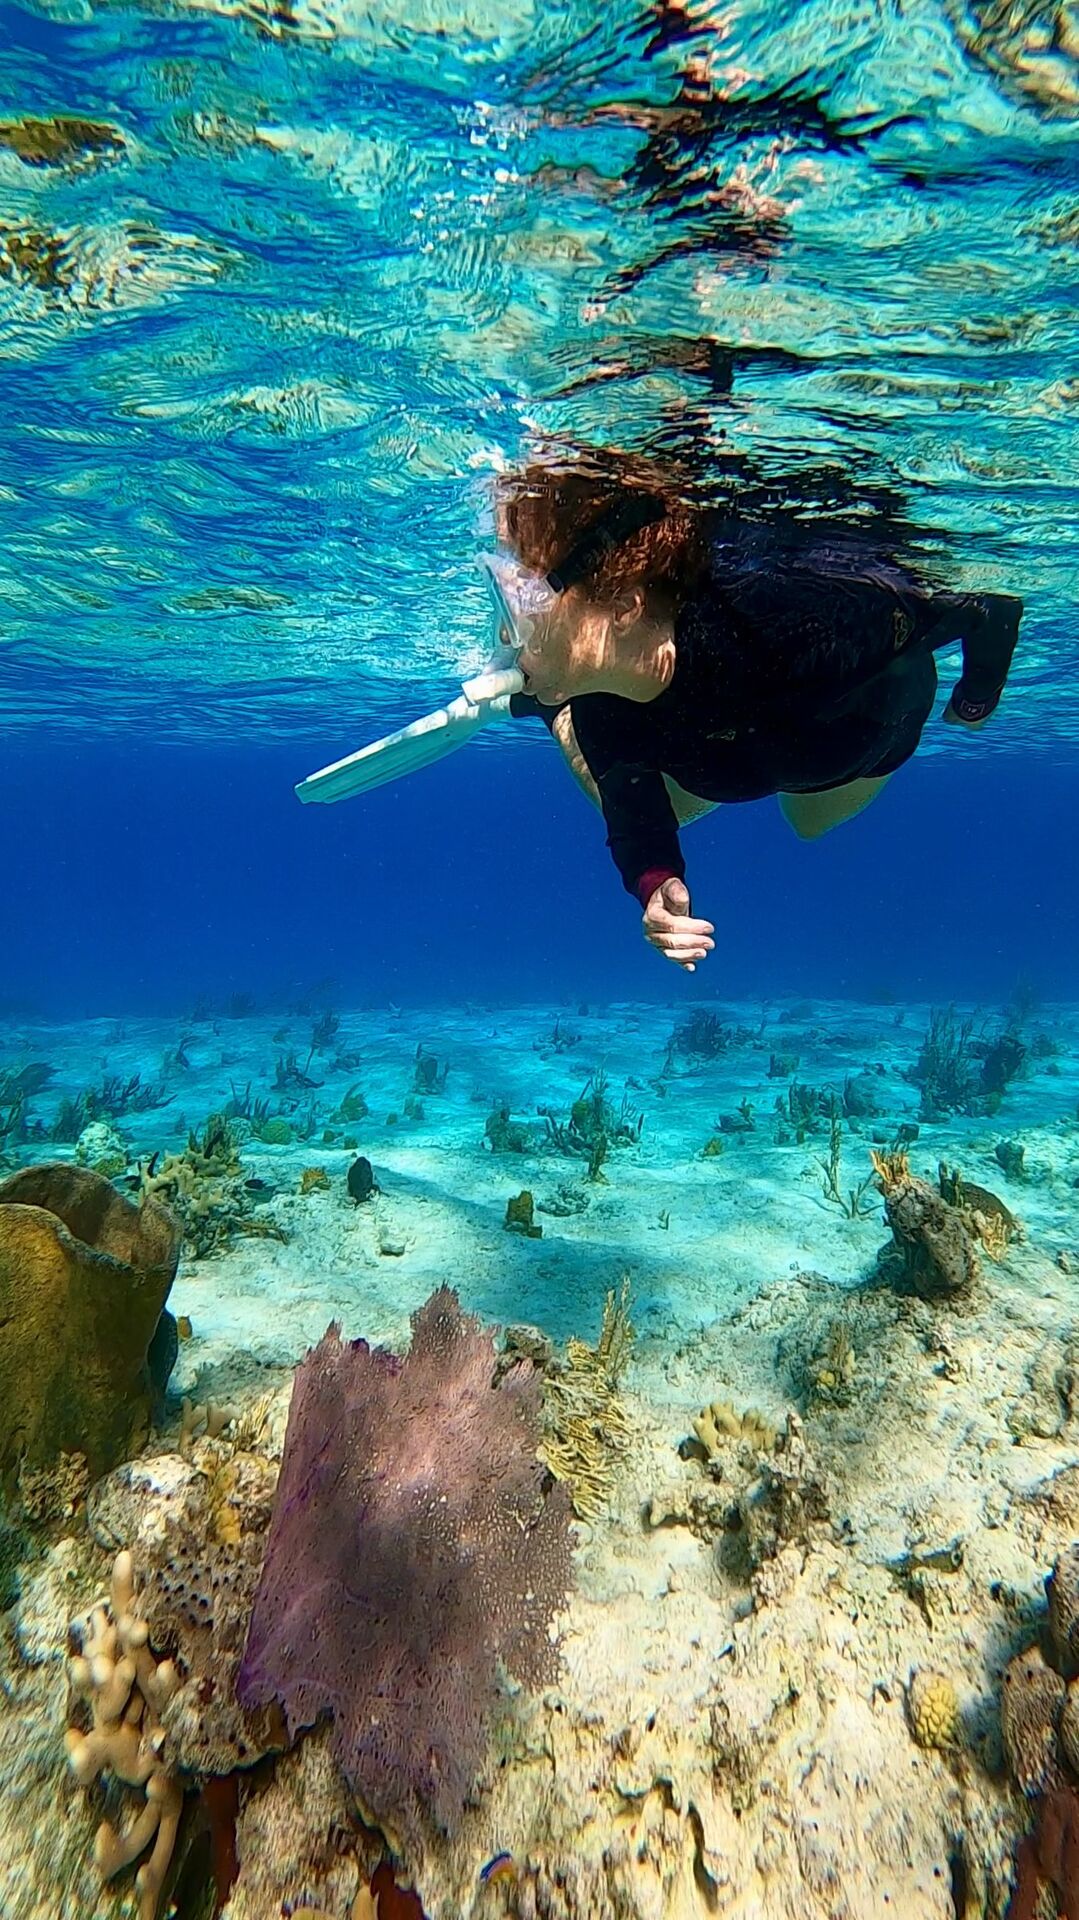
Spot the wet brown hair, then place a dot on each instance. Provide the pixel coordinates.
(551, 505)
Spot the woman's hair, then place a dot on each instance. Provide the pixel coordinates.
(546, 512)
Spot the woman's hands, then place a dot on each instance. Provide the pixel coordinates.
(669, 927)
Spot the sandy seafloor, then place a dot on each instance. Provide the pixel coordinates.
(720, 1741)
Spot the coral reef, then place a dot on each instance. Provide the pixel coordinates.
(789, 1500)
(205, 1186)
(48, 1494)
(198, 1528)
(830, 1371)
(84, 1276)
(100, 1147)
(505, 1135)
(427, 1075)
(411, 1508)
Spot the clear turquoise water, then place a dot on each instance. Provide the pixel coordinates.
(335, 263)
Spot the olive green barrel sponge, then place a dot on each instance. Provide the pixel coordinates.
(84, 1275)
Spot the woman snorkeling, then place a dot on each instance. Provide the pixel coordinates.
(684, 659)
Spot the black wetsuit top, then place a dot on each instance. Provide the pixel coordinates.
(796, 670)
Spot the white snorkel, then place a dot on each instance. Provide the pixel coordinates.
(517, 596)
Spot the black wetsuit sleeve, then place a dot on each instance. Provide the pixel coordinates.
(642, 831)
(988, 626)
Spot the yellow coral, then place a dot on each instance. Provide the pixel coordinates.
(719, 1422)
(314, 1180)
(932, 1708)
(891, 1169)
(587, 1427)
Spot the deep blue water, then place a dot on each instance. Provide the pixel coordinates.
(145, 877)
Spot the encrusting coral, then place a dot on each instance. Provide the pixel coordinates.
(84, 1276)
(127, 1691)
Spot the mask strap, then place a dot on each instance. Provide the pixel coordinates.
(627, 516)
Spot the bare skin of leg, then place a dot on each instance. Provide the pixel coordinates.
(687, 806)
(814, 814)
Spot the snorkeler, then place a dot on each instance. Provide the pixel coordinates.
(683, 660)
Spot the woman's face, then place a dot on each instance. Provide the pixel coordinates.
(565, 653)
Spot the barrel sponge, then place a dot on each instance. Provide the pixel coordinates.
(84, 1275)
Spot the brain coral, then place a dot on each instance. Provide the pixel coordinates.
(932, 1708)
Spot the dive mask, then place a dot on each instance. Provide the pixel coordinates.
(521, 598)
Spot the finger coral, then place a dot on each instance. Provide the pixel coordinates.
(126, 1691)
(416, 1544)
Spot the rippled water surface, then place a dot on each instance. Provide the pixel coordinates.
(282, 285)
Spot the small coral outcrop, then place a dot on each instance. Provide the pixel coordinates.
(520, 1216)
(937, 1243)
(84, 1276)
(206, 1187)
(719, 1423)
(198, 1529)
(830, 1372)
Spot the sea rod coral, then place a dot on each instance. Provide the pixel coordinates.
(416, 1543)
